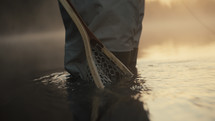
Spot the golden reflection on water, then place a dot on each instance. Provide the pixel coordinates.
(181, 89)
(171, 50)
(165, 2)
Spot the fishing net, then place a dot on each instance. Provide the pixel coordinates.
(107, 69)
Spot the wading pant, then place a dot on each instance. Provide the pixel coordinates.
(117, 23)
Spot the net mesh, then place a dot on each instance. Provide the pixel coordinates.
(107, 69)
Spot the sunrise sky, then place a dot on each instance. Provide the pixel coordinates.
(178, 28)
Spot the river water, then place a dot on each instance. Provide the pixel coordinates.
(167, 90)
(181, 90)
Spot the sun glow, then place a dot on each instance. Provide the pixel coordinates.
(165, 2)
(169, 3)
(170, 50)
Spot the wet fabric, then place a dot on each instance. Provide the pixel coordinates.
(117, 23)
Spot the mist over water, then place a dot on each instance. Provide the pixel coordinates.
(178, 24)
(31, 38)
(24, 16)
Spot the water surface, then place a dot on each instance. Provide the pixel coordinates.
(180, 89)
(170, 90)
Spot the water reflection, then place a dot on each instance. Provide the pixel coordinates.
(180, 86)
(118, 102)
(173, 87)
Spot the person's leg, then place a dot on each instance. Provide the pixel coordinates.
(129, 59)
(74, 59)
(124, 57)
(133, 61)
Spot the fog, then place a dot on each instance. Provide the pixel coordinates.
(170, 26)
(31, 39)
(24, 16)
